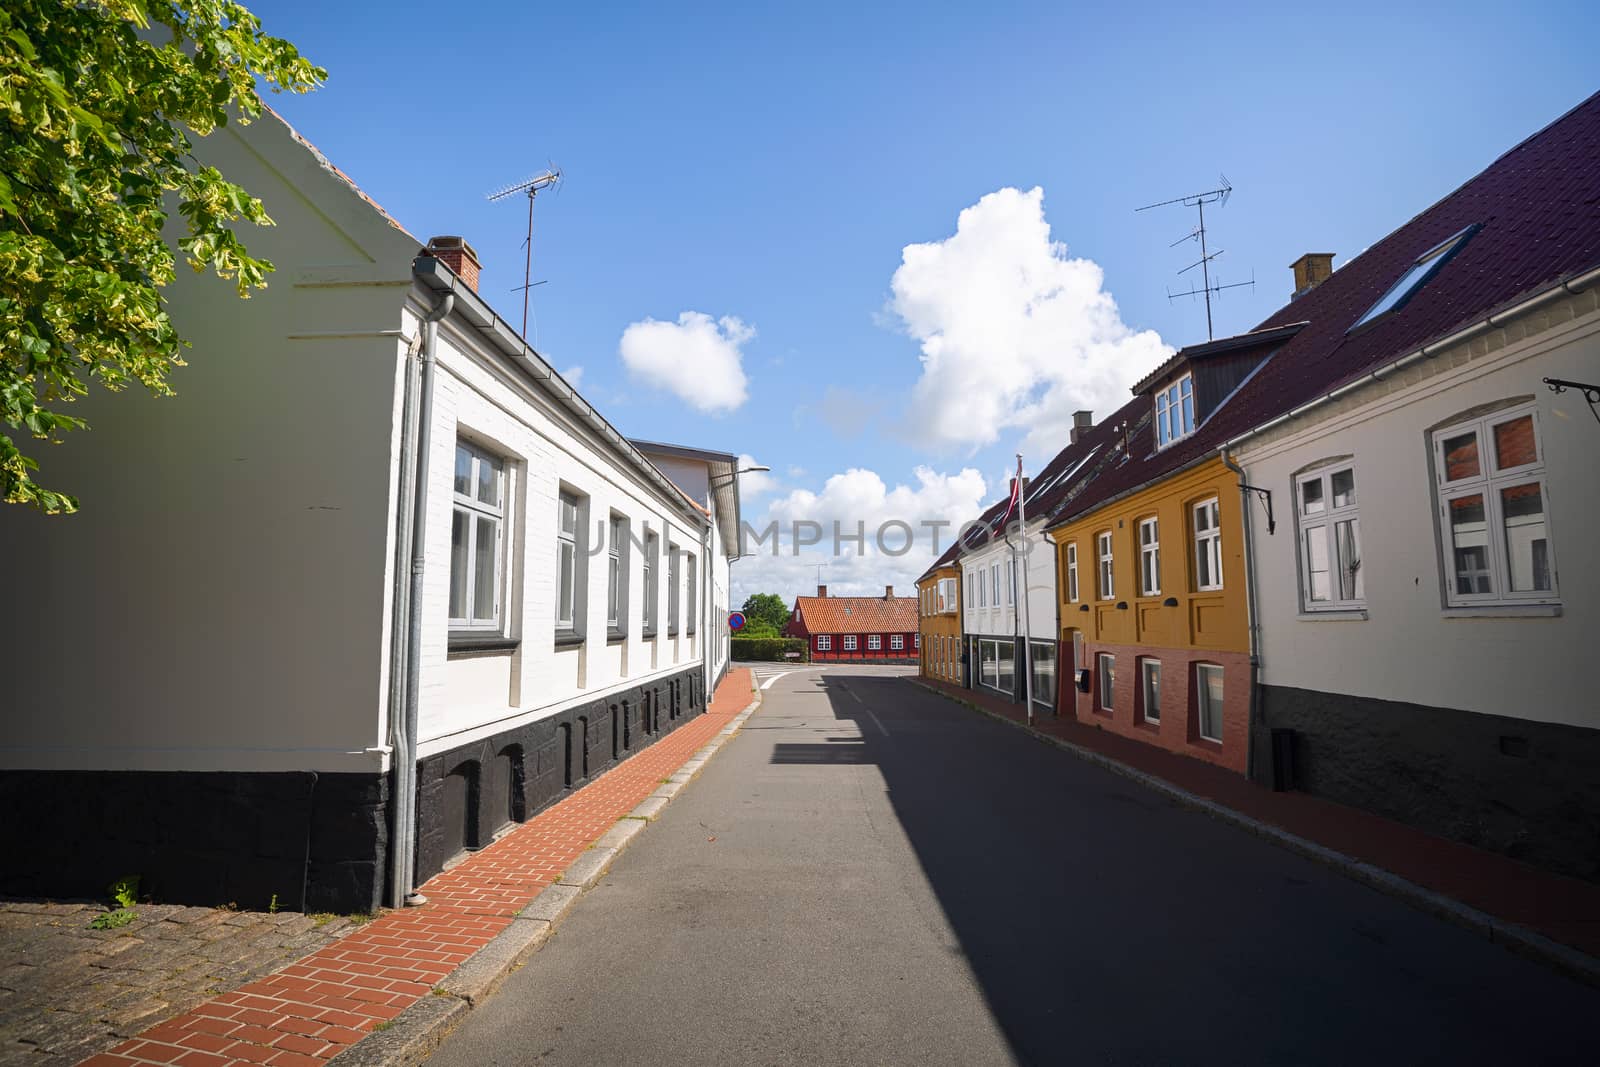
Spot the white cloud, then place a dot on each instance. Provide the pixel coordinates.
(1014, 334)
(574, 376)
(697, 357)
(858, 496)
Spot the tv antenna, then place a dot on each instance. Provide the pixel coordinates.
(531, 187)
(1198, 201)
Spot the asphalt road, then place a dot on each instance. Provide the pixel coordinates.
(871, 874)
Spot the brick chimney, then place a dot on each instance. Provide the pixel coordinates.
(1082, 423)
(822, 590)
(1310, 271)
(455, 253)
(888, 592)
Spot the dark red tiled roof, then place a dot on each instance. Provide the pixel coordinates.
(855, 614)
(1538, 207)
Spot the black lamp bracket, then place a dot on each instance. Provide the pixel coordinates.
(1591, 393)
(1266, 503)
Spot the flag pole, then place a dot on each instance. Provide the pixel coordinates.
(1022, 598)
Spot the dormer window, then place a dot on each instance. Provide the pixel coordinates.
(1426, 266)
(1175, 411)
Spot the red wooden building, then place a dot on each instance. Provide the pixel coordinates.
(872, 628)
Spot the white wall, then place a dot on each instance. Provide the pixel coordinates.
(220, 602)
(466, 696)
(1002, 619)
(1410, 647)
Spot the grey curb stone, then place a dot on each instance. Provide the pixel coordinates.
(619, 835)
(650, 808)
(668, 790)
(553, 903)
(587, 868)
(415, 1033)
(1570, 961)
(411, 1037)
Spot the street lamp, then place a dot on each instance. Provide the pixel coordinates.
(755, 468)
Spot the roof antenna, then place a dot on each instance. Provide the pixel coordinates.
(1198, 201)
(531, 187)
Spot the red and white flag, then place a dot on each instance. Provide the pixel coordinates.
(1016, 497)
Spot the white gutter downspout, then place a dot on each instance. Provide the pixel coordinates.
(1253, 614)
(707, 636)
(408, 597)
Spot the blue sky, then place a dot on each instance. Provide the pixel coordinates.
(771, 166)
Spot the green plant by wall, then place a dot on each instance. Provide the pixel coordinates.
(125, 894)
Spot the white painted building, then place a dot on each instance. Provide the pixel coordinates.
(224, 676)
(1427, 605)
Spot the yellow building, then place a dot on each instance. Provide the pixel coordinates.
(939, 620)
(1150, 564)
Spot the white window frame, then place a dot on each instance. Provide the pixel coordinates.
(1148, 666)
(1072, 572)
(1207, 543)
(691, 602)
(897, 643)
(1202, 700)
(1175, 418)
(1105, 681)
(1490, 482)
(1106, 574)
(874, 642)
(824, 642)
(617, 575)
(1011, 582)
(474, 510)
(916, 640)
(1150, 556)
(849, 642)
(946, 597)
(1322, 527)
(652, 587)
(571, 567)
(674, 588)
(1044, 685)
(994, 584)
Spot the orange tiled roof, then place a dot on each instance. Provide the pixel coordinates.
(857, 614)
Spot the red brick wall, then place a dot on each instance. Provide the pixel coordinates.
(1178, 730)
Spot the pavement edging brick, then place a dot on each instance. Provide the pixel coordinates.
(415, 1033)
(1570, 961)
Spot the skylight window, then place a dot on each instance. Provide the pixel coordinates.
(1175, 411)
(1426, 266)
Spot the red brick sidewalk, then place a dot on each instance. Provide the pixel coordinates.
(1562, 909)
(316, 1008)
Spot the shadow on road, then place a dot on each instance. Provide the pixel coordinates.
(1106, 924)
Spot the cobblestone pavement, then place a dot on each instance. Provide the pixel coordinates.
(68, 991)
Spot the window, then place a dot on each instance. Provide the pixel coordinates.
(849, 642)
(652, 592)
(617, 575)
(983, 590)
(824, 642)
(1208, 700)
(690, 614)
(1108, 586)
(1150, 689)
(946, 601)
(917, 638)
(1426, 266)
(570, 510)
(874, 643)
(1207, 545)
(1011, 580)
(1491, 486)
(897, 642)
(477, 537)
(1072, 571)
(1175, 411)
(674, 588)
(1149, 558)
(1044, 672)
(972, 599)
(1106, 679)
(1330, 539)
(994, 584)
(998, 665)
